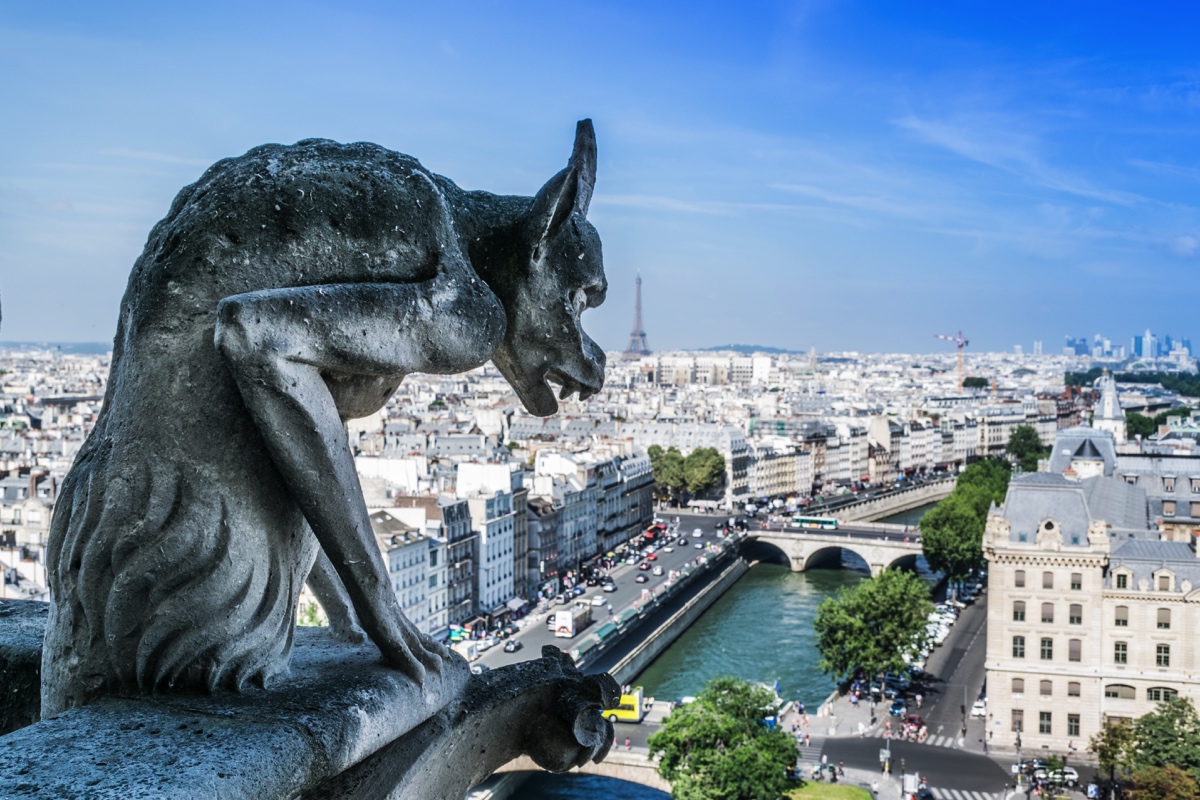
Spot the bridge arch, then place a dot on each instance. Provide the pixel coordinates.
(810, 549)
(834, 556)
(906, 562)
(767, 552)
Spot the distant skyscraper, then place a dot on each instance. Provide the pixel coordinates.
(1037, 347)
(637, 338)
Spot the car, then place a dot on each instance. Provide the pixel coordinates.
(560, 599)
(698, 546)
(641, 579)
(512, 645)
(652, 557)
(668, 549)
(592, 581)
(479, 669)
(598, 600)
(656, 571)
(697, 533)
(577, 591)
(610, 587)
(899, 707)
(645, 565)
(1033, 764)
(914, 720)
(980, 708)
(1067, 776)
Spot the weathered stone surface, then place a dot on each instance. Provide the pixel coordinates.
(338, 728)
(286, 291)
(22, 623)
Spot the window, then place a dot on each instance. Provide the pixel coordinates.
(1046, 688)
(1072, 724)
(1018, 647)
(1019, 611)
(1047, 649)
(1162, 655)
(1168, 508)
(1160, 694)
(1121, 653)
(1164, 619)
(1131, 480)
(1073, 689)
(1122, 581)
(1195, 509)
(1019, 577)
(1075, 650)
(1018, 720)
(1121, 620)
(1047, 612)
(1168, 484)
(1044, 722)
(1164, 583)
(1018, 686)
(1195, 485)
(1076, 581)
(1075, 616)
(1047, 580)
(1119, 691)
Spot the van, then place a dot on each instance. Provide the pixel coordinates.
(631, 708)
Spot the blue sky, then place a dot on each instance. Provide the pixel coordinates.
(854, 176)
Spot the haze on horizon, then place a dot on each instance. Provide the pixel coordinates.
(845, 175)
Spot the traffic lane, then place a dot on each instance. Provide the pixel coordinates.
(957, 665)
(942, 767)
(535, 633)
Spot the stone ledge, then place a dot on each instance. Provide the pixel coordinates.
(338, 726)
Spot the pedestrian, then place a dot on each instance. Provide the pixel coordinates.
(628, 746)
(824, 760)
(862, 730)
(919, 699)
(841, 770)
(806, 739)
(875, 787)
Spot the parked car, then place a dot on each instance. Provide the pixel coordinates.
(652, 557)
(980, 708)
(610, 587)
(668, 549)
(512, 645)
(641, 578)
(577, 591)
(1067, 776)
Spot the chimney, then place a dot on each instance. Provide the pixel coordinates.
(33, 482)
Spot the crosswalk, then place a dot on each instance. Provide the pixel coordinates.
(962, 794)
(935, 741)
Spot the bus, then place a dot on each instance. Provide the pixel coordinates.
(824, 523)
(630, 709)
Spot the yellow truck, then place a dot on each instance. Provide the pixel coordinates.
(631, 709)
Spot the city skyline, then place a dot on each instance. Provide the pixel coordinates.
(847, 176)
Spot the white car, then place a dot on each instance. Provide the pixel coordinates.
(668, 549)
(980, 708)
(697, 533)
(598, 600)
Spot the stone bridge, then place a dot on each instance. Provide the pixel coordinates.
(892, 502)
(880, 546)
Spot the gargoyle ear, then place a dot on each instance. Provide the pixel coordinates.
(570, 191)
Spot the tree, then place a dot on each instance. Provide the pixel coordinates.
(975, 382)
(703, 469)
(1163, 783)
(668, 470)
(1169, 735)
(873, 625)
(1139, 425)
(952, 537)
(1025, 446)
(718, 747)
(1113, 747)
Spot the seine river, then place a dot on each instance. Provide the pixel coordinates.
(760, 630)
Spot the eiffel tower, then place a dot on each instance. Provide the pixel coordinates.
(637, 339)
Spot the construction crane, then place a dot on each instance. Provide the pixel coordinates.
(961, 342)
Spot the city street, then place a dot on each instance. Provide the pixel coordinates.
(535, 632)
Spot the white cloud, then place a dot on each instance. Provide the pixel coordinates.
(1185, 246)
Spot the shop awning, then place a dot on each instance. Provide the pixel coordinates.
(605, 631)
(516, 604)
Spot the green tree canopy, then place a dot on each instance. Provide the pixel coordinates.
(717, 747)
(1163, 783)
(952, 531)
(873, 625)
(975, 382)
(1113, 747)
(1169, 735)
(1025, 446)
(703, 469)
(952, 537)
(1139, 425)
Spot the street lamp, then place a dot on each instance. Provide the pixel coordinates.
(1018, 753)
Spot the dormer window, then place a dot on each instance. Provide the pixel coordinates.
(1164, 581)
(1168, 508)
(1168, 484)
(1131, 480)
(1122, 581)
